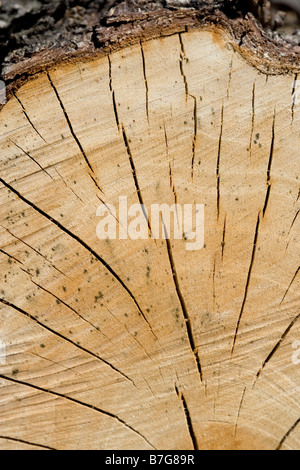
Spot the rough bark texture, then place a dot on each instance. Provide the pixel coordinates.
(36, 35)
(31, 26)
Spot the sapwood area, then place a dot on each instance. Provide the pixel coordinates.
(143, 344)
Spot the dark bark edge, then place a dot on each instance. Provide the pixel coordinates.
(245, 34)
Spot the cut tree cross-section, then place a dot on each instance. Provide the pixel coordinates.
(144, 344)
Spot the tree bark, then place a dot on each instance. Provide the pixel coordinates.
(35, 34)
(145, 344)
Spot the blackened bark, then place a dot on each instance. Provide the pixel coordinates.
(29, 26)
(65, 28)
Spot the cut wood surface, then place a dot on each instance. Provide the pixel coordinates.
(123, 344)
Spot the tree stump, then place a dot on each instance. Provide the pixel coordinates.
(145, 344)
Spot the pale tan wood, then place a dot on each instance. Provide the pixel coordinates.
(96, 366)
